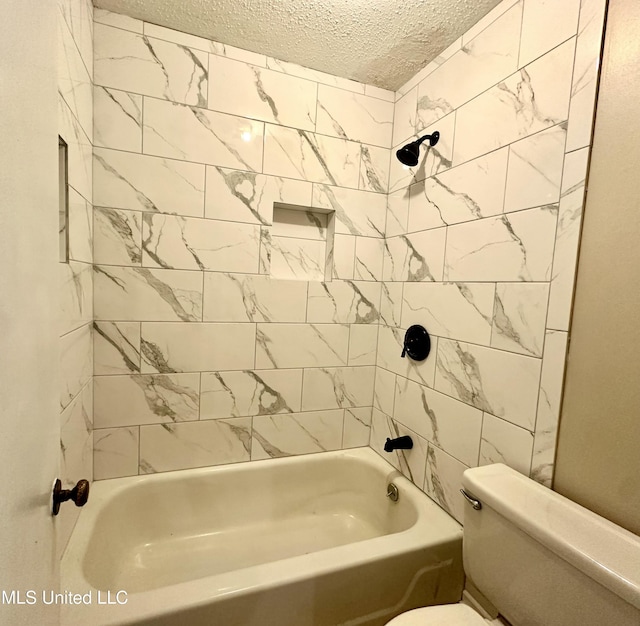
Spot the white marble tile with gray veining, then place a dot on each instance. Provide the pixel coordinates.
(413, 462)
(79, 17)
(585, 73)
(176, 347)
(79, 150)
(567, 238)
(123, 180)
(118, 237)
(432, 160)
(206, 45)
(384, 391)
(503, 442)
(354, 116)
(117, 119)
(265, 251)
(115, 452)
(480, 63)
(501, 383)
(363, 341)
(301, 345)
(443, 481)
(73, 79)
(535, 169)
(369, 258)
(449, 424)
(116, 348)
(167, 447)
(250, 392)
(391, 303)
(118, 20)
(298, 259)
(139, 293)
(330, 245)
(468, 192)
(537, 38)
(254, 92)
(462, 311)
(76, 439)
(343, 302)
(137, 399)
(316, 76)
(153, 67)
(397, 213)
(357, 427)
(519, 317)
(374, 169)
(76, 295)
(389, 356)
(249, 197)
(356, 212)
(544, 447)
(339, 387)
(76, 363)
(378, 92)
(511, 247)
(303, 155)
(173, 242)
(193, 134)
(415, 257)
(239, 54)
(344, 251)
(277, 436)
(80, 228)
(404, 117)
(253, 298)
(532, 99)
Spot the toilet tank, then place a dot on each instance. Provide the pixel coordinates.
(543, 560)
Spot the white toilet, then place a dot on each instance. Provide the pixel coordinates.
(535, 558)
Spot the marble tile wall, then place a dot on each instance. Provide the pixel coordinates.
(481, 244)
(227, 329)
(75, 124)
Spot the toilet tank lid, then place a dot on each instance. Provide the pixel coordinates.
(604, 551)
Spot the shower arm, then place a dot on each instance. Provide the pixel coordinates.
(433, 139)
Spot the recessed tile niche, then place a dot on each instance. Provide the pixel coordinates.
(301, 243)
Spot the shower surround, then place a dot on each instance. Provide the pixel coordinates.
(481, 243)
(201, 358)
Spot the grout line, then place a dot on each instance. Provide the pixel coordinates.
(142, 133)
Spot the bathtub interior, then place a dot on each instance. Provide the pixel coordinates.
(181, 526)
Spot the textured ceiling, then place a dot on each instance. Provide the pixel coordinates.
(379, 42)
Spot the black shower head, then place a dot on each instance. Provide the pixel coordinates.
(408, 155)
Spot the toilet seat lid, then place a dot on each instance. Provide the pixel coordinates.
(447, 614)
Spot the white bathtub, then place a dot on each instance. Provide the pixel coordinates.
(305, 541)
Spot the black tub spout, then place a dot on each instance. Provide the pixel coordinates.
(401, 443)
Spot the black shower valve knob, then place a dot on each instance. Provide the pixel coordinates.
(417, 343)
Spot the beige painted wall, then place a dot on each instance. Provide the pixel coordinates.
(598, 458)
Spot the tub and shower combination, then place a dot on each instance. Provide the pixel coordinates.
(307, 541)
